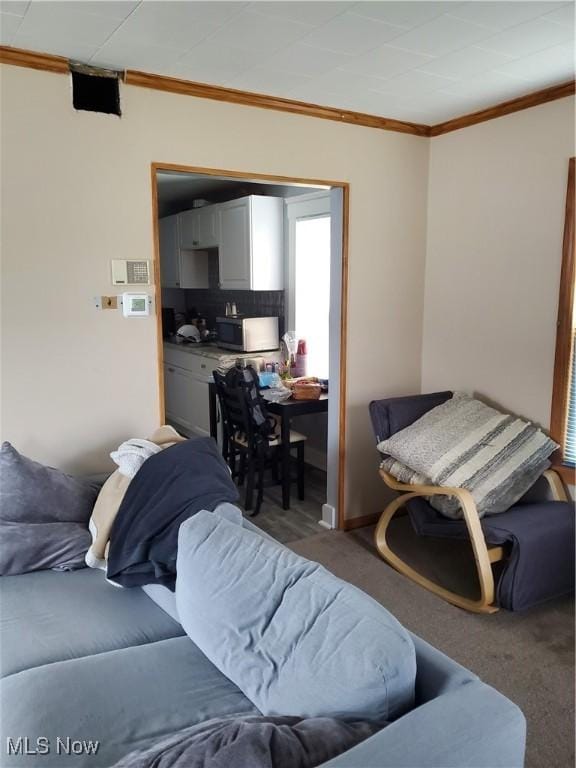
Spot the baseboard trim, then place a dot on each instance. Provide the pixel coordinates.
(361, 522)
(329, 518)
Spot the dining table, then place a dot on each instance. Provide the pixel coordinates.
(286, 410)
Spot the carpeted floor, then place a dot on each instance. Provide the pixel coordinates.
(529, 657)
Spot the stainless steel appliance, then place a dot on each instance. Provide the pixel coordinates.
(248, 334)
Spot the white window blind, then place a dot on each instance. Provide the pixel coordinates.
(570, 440)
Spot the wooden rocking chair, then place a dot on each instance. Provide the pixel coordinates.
(390, 416)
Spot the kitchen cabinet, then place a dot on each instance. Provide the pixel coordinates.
(186, 397)
(199, 227)
(187, 374)
(169, 252)
(250, 252)
(179, 268)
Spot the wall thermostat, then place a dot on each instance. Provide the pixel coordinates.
(130, 272)
(136, 304)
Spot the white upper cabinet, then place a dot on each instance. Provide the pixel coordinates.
(251, 244)
(208, 226)
(179, 268)
(169, 252)
(199, 227)
(248, 234)
(234, 251)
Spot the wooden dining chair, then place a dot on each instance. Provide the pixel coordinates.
(251, 435)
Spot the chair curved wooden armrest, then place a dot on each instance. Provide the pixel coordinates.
(483, 556)
(556, 485)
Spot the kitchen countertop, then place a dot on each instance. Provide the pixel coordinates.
(214, 352)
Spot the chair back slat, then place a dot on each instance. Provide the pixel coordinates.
(232, 406)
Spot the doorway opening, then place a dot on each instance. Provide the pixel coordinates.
(235, 252)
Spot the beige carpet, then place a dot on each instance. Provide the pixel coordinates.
(529, 657)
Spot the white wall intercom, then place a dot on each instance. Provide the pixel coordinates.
(130, 272)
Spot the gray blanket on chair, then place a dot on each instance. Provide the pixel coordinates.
(254, 742)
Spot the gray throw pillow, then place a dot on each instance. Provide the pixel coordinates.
(254, 742)
(465, 443)
(44, 515)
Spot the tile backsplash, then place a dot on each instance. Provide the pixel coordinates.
(211, 302)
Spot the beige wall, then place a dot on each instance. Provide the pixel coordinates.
(495, 222)
(76, 193)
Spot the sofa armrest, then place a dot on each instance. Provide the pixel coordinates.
(471, 727)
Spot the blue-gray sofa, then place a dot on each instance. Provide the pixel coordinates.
(82, 660)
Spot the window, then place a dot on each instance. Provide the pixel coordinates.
(570, 438)
(308, 276)
(563, 418)
(312, 290)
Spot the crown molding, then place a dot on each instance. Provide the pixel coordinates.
(251, 99)
(49, 63)
(533, 99)
(44, 61)
(19, 57)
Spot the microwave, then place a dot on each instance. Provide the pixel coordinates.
(248, 334)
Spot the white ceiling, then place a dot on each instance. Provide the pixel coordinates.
(177, 190)
(424, 62)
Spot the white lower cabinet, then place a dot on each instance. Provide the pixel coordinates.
(186, 399)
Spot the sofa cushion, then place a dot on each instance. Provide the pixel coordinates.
(293, 637)
(34, 492)
(125, 699)
(48, 617)
(43, 515)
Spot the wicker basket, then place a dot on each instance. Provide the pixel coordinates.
(306, 391)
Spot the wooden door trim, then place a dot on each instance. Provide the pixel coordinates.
(345, 187)
(158, 298)
(564, 326)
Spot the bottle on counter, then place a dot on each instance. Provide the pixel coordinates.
(300, 360)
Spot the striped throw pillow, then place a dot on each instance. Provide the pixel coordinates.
(465, 443)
